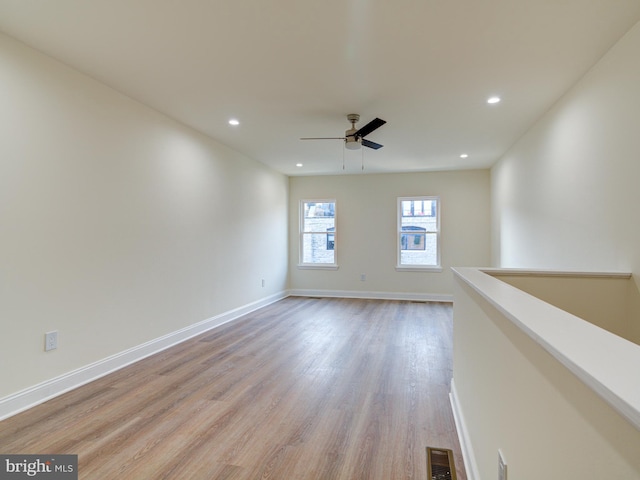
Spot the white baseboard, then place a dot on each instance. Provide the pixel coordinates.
(44, 391)
(470, 465)
(422, 297)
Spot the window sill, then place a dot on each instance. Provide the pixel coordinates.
(418, 268)
(311, 266)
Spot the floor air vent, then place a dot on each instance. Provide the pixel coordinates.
(440, 465)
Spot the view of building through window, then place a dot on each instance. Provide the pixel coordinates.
(418, 231)
(318, 233)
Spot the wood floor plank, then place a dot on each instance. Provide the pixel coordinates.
(306, 388)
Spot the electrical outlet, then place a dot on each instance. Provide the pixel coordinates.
(263, 282)
(363, 277)
(50, 341)
(502, 466)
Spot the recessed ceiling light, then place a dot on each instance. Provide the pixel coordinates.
(493, 99)
(234, 122)
(464, 155)
(298, 164)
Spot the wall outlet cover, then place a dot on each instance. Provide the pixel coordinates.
(50, 341)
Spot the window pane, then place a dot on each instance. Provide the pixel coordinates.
(418, 208)
(413, 253)
(318, 248)
(319, 217)
(415, 240)
(406, 208)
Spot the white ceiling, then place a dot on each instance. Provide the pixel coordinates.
(294, 68)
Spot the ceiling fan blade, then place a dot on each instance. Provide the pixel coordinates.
(370, 127)
(322, 138)
(370, 144)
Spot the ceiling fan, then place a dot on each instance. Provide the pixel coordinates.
(354, 137)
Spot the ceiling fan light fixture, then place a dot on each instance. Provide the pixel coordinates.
(351, 143)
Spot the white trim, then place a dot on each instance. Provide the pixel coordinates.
(406, 268)
(419, 297)
(399, 265)
(54, 387)
(518, 272)
(470, 464)
(302, 233)
(317, 266)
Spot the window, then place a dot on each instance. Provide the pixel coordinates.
(419, 232)
(318, 233)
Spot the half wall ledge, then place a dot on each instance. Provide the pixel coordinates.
(605, 362)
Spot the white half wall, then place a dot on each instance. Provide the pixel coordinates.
(557, 395)
(118, 225)
(367, 222)
(566, 195)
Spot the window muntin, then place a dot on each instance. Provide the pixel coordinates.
(318, 233)
(419, 232)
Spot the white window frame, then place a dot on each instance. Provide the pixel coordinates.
(302, 233)
(399, 232)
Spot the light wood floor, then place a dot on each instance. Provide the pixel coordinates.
(303, 389)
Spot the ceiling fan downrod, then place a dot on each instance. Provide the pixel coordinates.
(351, 140)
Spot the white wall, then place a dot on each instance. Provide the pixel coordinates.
(566, 194)
(367, 222)
(117, 224)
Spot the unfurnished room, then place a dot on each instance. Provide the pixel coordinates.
(339, 240)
